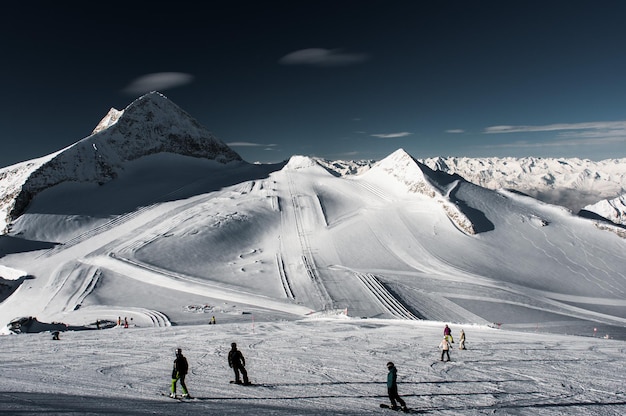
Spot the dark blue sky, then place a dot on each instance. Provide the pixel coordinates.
(335, 79)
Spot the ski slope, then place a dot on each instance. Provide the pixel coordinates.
(321, 280)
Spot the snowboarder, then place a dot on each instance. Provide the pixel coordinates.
(55, 335)
(237, 362)
(445, 348)
(392, 388)
(212, 321)
(462, 340)
(179, 372)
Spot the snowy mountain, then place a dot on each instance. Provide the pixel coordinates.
(321, 271)
(613, 210)
(572, 183)
(151, 124)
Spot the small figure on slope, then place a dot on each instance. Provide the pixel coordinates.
(237, 362)
(392, 388)
(462, 340)
(445, 348)
(178, 374)
(447, 332)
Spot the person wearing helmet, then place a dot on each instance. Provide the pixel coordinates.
(392, 388)
(237, 362)
(445, 348)
(178, 374)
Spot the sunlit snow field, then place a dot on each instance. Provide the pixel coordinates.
(321, 279)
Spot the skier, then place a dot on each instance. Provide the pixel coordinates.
(445, 347)
(447, 332)
(462, 340)
(178, 373)
(212, 321)
(392, 388)
(237, 362)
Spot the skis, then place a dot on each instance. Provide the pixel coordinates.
(178, 397)
(397, 408)
(240, 383)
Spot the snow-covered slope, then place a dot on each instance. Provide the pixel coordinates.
(389, 243)
(171, 230)
(572, 183)
(151, 124)
(612, 209)
(311, 367)
(322, 273)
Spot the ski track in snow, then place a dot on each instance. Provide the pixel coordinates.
(316, 365)
(313, 367)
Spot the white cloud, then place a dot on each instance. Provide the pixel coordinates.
(323, 57)
(610, 125)
(582, 141)
(392, 135)
(573, 134)
(249, 144)
(158, 81)
(455, 131)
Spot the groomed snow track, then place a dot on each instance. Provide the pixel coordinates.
(384, 297)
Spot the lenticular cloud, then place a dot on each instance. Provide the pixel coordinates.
(158, 81)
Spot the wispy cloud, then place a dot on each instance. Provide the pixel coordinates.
(323, 57)
(569, 134)
(249, 144)
(392, 135)
(455, 131)
(574, 140)
(158, 81)
(598, 125)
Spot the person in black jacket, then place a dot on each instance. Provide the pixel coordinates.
(392, 388)
(179, 372)
(238, 364)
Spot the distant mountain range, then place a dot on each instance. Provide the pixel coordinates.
(152, 124)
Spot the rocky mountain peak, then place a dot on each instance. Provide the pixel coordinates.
(151, 124)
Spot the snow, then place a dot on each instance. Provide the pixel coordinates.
(279, 258)
(611, 209)
(320, 278)
(572, 183)
(312, 367)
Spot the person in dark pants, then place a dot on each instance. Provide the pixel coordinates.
(445, 348)
(392, 387)
(178, 374)
(238, 364)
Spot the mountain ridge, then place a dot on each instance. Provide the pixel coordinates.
(151, 124)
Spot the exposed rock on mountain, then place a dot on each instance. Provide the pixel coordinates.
(613, 210)
(149, 125)
(572, 183)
